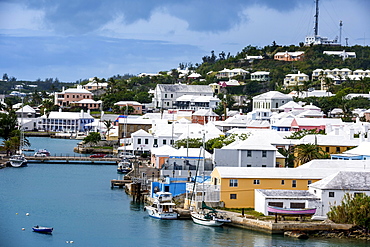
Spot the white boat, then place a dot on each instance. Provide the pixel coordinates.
(18, 160)
(209, 217)
(162, 207)
(124, 166)
(42, 153)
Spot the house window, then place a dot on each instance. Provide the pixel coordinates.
(164, 141)
(139, 141)
(309, 182)
(282, 182)
(294, 183)
(233, 196)
(146, 141)
(263, 165)
(338, 149)
(165, 95)
(327, 149)
(171, 95)
(256, 181)
(264, 153)
(233, 183)
(155, 141)
(331, 194)
(358, 194)
(297, 205)
(249, 153)
(249, 165)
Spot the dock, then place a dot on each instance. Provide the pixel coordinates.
(119, 183)
(73, 159)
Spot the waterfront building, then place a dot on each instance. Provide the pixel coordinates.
(237, 184)
(65, 121)
(203, 116)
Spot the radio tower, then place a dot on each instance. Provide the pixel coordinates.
(316, 28)
(340, 32)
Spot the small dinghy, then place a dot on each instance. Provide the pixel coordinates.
(42, 229)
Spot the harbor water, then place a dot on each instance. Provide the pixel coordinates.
(77, 201)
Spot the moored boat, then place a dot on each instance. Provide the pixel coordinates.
(42, 153)
(162, 207)
(209, 217)
(124, 166)
(42, 229)
(18, 160)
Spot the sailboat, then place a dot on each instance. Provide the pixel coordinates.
(18, 160)
(125, 165)
(207, 216)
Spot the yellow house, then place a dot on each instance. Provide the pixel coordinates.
(237, 184)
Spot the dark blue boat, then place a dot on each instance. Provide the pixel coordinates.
(42, 229)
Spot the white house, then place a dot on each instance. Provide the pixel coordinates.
(260, 76)
(230, 73)
(343, 54)
(332, 188)
(65, 121)
(271, 100)
(193, 102)
(165, 95)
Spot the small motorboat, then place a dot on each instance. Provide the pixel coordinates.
(124, 166)
(42, 229)
(18, 160)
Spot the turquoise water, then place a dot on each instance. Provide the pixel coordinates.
(77, 201)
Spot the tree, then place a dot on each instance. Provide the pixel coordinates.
(191, 143)
(93, 137)
(307, 152)
(8, 123)
(354, 209)
(108, 125)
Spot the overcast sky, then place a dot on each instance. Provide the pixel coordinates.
(79, 39)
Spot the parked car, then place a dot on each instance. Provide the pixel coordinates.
(126, 155)
(97, 156)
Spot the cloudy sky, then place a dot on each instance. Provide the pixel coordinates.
(79, 39)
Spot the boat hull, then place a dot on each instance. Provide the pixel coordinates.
(153, 212)
(42, 229)
(18, 161)
(291, 211)
(199, 219)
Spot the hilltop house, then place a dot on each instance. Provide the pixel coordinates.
(260, 76)
(292, 80)
(230, 73)
(138, 107)
(289, 56)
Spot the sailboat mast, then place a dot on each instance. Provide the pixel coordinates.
(316, 28)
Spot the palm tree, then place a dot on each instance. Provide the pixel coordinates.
(307, 152)
(108, 125)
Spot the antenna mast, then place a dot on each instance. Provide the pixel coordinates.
(316, 28)
(340, 32)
